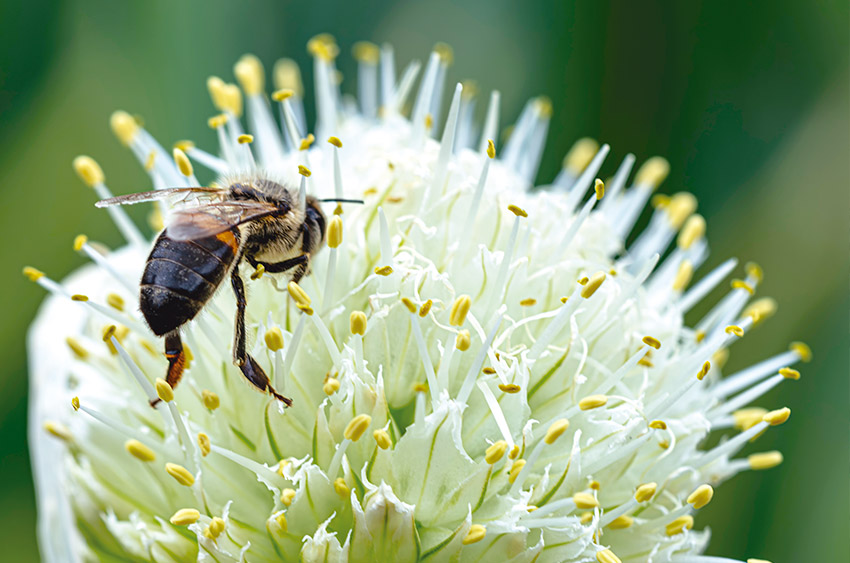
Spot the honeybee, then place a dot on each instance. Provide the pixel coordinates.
(211, 231)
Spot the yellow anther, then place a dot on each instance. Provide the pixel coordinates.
(284, 94)
(693, 230)
(585, 500)
(703, 371)
(510, 388)
(335, 142)
(518, 211)
(659, 201)
(599, 188)
(645, 492)
(382, 438)
(749, 417)
(79, 297)
(184, 145)
(789, 373)
(164, 390)
(338, 209)
(514, 452)
(182, 162)
(475, 534)
(586, 518)
(215, 528)
(741, 284)
(429, 121)
(719, 358)
(592, 402)
(681, 206)
(139, 451)
(777, 417)
(420, 388)
(304, 171)
(491, 148)
(88, 170)
(445, 52)
(281, 522)
(734, 329)
(286, 496)
(306, 142)
(150, 161)
(330, 386)
(754, 560)
(32, 274)
(764, 460)
(383, 270)
(210, 399)
(124, 126)
(556, 430)
(592, 284)
(411, 306)
(463, 341)
(460, 308)
(530, 508)
(607, 556)
(699, 336)
(528, 302)
(258, 272)
(217, 121)
(323, 46)
(425, 308)
(204, 444)
(298, 294)
(281, 467)
(79, 242)
(646, 361)
(287, 75)
(658, 425)
(683, 275)
(679, 525)
(180, 474)
(651, 341)
(357, 322)
(701, 496)
(580, 155)
(543, 105)
(754, 271)
(357, 427)
(621, 522)
(274, 339)
(488, 370)
(185, 516)
(761, 309)
(58, 430)
(245, 139)
(801, 348)
(652, 172)
(495, 452)
(341, 487)
(249, 72)
(366, 52)
(78, 350)
(595, 485)
(115, 301)
(516, 467)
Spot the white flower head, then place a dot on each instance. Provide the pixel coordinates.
(476, 369)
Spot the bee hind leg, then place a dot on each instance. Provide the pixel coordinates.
(176, 360)
(249, 366)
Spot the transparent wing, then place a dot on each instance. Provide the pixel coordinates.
(215, 218)
(187, 193)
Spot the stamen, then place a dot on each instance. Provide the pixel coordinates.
(498, 415)
(495, 452)
(334, 238)
(139, 451)
(185, 516)
(180, 474)
(446, 148)
(491, 125)
(706, 284)
(58, 430)
(475, 534)
(367, 55)
(291, 350)
(579, 188)
(607, 556)
(382, 438)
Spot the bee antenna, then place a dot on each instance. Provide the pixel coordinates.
(342, 200)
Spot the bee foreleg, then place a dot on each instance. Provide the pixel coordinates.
(176, 360)
(278, 267)
(249, 366)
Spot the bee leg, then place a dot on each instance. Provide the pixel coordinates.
(278, 267)
(249, 366)
(176, 360)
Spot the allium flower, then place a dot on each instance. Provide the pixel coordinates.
(478, 371)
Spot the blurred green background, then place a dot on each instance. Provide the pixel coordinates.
(748, 101)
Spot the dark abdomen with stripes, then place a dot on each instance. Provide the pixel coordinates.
(180, 277)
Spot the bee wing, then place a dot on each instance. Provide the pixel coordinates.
(130, 199)
(215, 218)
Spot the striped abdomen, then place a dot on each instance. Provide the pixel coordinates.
(181, 275)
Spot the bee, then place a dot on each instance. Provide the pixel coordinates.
(210, 233)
